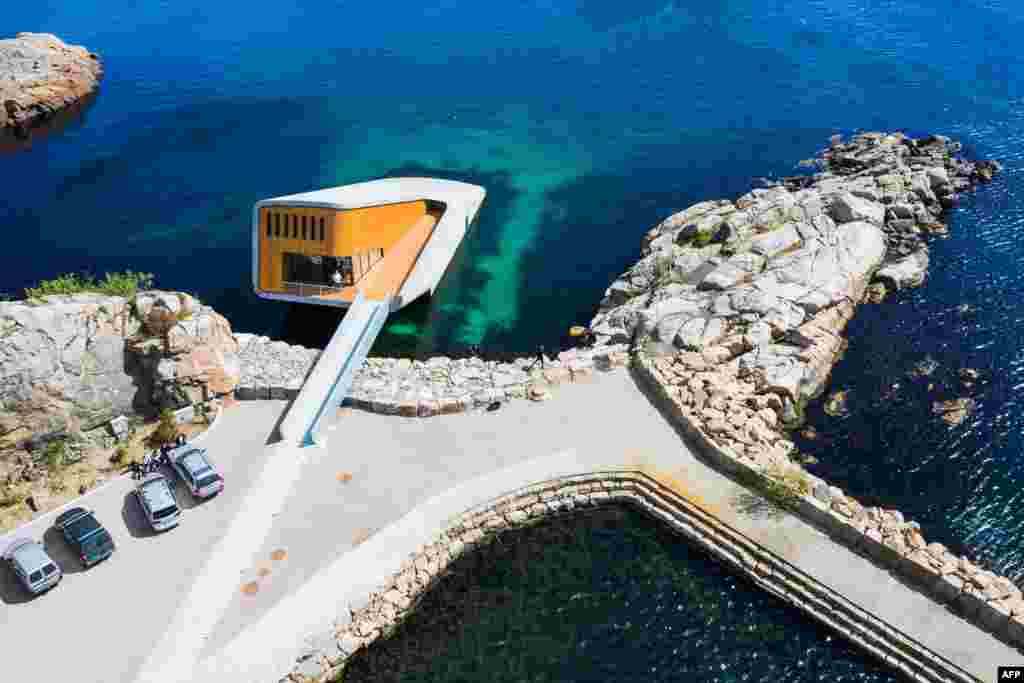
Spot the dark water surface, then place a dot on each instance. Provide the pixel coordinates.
(588, 122)
(605, 596)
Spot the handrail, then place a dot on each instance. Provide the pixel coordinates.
(319, 289)
(876, 622)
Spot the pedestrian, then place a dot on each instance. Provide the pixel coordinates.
(539, 358)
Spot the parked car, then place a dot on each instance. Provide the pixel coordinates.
(35, 569)
(194, 468)
(86, 536)
(156, 498)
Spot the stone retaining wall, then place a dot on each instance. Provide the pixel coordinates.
(991, 602)
(328, 653)
(412, 388)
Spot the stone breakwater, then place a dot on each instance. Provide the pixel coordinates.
(328, 653)
(41, 75)
(991, 602)
(412, 388)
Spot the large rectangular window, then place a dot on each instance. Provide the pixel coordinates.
(268, 223)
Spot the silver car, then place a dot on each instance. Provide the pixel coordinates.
(156, 498)
(195, 470)
(35, 569)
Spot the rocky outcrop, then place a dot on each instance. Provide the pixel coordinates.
(759, 290)
(40, 76)
(70, 361)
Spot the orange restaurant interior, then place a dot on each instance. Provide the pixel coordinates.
(372, 248)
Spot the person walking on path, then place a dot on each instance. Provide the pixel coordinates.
(539, 358)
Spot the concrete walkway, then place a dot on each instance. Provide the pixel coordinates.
(410, 476)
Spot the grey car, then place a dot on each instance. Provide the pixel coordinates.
(156, 498)
(35, 569)
(196, 471)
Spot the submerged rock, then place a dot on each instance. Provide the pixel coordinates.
(836, 404)
(954, 411)
(876, 293)
(924, 368)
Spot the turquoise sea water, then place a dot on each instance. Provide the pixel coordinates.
(588, 122)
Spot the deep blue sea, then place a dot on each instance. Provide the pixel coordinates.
(588, 122)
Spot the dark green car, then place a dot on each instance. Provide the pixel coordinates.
(90, 541)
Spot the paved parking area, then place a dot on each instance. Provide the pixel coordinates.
(97, 625)
(311, 534)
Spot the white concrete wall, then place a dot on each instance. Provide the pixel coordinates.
(309, 404)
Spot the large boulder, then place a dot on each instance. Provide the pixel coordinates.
(771, 244)
(902, 273)
(847, 208)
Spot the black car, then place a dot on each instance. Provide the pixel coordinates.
(85, 534)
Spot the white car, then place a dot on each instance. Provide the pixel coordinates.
(35, 569)
(195, 470)
(156, 498)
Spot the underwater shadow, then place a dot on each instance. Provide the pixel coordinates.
(70, 118)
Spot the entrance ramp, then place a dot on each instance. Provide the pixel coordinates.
(331, 378)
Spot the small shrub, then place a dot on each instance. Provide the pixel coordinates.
(797, 482)
(662, 269)
(11, 495)
(775, 488)
(166, 431)
(55, 454)
(124, 284)
(120, 455)
(702, 239)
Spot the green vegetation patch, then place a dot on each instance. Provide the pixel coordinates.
(124, 284)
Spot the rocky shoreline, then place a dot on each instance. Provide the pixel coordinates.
(770, 281)
(41, 76)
